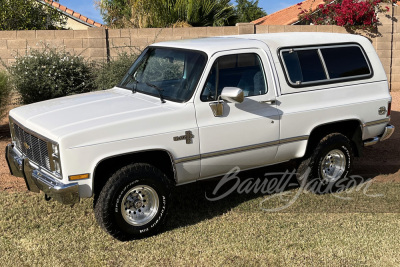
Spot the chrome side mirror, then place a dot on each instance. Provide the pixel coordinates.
(229, 94)
(232, 95)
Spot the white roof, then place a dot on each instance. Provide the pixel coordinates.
(273, 40)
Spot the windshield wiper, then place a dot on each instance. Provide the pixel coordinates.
(159, 90)
(134, 88)
(126, 83)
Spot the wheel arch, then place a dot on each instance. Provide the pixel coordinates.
(351, 128)
(159, 158)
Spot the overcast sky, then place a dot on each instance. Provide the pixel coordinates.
(87, 7)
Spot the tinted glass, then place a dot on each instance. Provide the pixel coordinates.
(345, 62)
(304, 66)
(240, 70)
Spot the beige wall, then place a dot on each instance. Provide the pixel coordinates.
(89, 43)
(75, 25)
(92, 43)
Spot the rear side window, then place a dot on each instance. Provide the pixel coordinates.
(304, 66)
(318, 65)
(345, 62)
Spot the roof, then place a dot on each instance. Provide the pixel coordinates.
(273, 40)
(72, 14)
(289, 15)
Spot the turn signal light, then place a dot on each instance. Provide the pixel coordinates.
(79, 177)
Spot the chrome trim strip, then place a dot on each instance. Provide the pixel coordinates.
(187, 159)
(293, 139)
(237, 150)
(371, 123)
(241, 149)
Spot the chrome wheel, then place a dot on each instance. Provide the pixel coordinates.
(333, 165)
(139, 205)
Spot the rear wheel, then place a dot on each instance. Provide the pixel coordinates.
(328, 164)
(133, 203)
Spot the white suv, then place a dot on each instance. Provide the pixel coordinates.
(194, 109)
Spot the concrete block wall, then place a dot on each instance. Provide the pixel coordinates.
(102, 44)
(88, 43)
(135, 40)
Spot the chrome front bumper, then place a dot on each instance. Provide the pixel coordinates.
(37, 179)
(387, 133)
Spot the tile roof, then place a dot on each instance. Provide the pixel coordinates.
(73, 14)
(287, 16)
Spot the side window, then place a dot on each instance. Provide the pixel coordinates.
(244, 71)
(325, 64)
(303, 66)
(344, 62)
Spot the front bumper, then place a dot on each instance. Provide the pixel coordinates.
(37, 179)
(387, 133)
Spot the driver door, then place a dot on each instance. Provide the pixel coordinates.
(247, 133)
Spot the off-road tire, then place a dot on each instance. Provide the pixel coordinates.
(122, 193)
(312, 171)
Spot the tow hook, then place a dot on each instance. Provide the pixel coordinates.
(46, 197)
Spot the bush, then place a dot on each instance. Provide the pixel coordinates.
(47, 74)
(4, 93)
(109, 74)
(348, 13)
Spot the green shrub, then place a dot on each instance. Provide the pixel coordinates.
(4, 93)
(50, 73)
(109, 74)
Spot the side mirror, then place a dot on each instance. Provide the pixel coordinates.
(232, 95)
(229, 94)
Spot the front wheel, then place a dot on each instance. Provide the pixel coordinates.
(133, 203)
(328, 165)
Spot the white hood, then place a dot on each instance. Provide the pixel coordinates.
(96, 111)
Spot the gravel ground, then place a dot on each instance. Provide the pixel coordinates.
(380, 162)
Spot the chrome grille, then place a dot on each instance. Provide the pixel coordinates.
(34, 148)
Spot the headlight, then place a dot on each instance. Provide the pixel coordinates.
(56, 152)
(57, 166)
(55, 157)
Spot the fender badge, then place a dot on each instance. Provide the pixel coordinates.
(188, 137)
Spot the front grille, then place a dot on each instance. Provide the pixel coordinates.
(34, 148)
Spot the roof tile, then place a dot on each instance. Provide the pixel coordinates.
(288, 15)
(77, 15)
(72, 13)
(62, 8)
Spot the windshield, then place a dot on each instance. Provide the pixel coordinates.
(167, 73)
